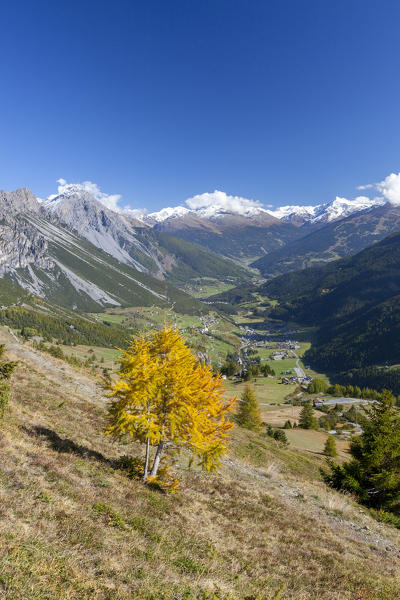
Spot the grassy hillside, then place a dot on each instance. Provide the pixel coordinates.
(212, 335)
(192, 261)
(11, 293)
(76, 274)
(74, 526)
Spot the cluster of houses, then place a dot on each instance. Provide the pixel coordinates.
(289, 378)
(281, 355)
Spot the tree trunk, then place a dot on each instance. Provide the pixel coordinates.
(146, 461)
(157, 457)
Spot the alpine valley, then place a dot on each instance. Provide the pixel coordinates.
(72, 251)
(295, 310)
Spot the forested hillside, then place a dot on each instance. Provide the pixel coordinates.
(233, 236)
(354, 302)
(342, 287)
(193, 260)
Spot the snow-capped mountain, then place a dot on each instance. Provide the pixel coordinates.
(209, 212)
(72, 247)
(320, 214)
(164, 214)
(242, 229)
(336, 239)
(339, 208)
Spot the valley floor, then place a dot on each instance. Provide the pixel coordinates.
(75, 527)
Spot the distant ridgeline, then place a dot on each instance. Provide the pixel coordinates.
(355, 303)
(334, 240)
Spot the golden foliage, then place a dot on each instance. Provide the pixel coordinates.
(164, 394)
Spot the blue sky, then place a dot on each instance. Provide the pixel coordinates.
(281, 101)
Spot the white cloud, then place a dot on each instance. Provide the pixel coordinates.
(390, 188)
(221, 200)
(110, 201)
(135, 213)
(69, 189)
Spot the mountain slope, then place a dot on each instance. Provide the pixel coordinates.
(355, 303)
(107, 230)
(75, 526)
(339, 208)
(190, 261)
(232, 235)
(75, 252)
(136, 244)
(54, 263)
(82, 276)
(335, 240)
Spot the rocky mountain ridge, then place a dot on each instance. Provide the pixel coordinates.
(78, 253)
(328, 212)
(298, 215)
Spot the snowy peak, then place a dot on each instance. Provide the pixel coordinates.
(217, 207)
(288, 213)
(211, 213)
(320, 214)
(164, 214)
(339, 208)
(71, 195)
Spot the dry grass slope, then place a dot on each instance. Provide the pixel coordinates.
(73, 527)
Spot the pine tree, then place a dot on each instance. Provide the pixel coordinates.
(7, 368)
(317, 386)
(269, 431)
(281, 437)
(374, 471)
(165, 396)
(248, 415)
(330, 447)
(307, 419)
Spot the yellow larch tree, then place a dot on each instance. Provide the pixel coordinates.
(165, 397)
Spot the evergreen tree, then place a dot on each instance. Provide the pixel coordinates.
(330, 447)
(337, 390)
(269, 431)
(317, 386)
(229, 368)
(374, 471)
(307, 419)
(268, 370)
(7, 368)
(281, 437)
(328, 421)
(248, 415)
